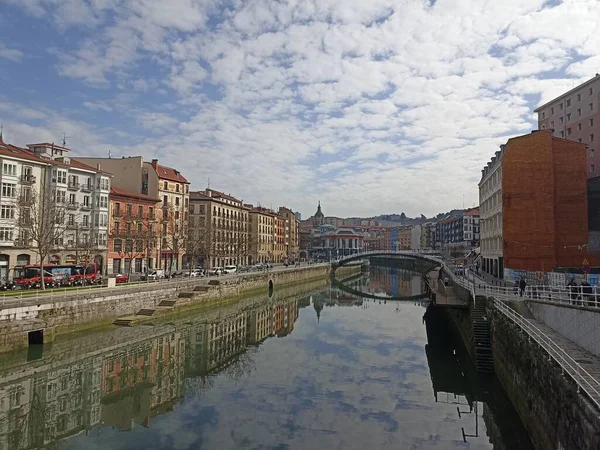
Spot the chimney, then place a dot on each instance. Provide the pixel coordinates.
(208, 193)
(98, 166)
(155, 164)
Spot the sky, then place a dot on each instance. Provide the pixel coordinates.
(371, 107)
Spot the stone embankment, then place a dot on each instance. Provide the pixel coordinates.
(30, 320)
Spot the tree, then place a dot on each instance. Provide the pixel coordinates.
(133, 238)
(41, 218)
(174, 231)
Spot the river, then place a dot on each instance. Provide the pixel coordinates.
(318, 370)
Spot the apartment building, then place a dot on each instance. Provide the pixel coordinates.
(169, 185)
(81, 191)
(280, 246)
(575, 115)
(262, 234)
(132, 238)
(220, 230)
(292, 231)
(490, 204)
(471, 228)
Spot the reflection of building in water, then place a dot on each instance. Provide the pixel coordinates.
(393, 282)
(131, 382)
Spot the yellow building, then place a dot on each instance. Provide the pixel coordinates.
(292, 236)
(262, 234)
(219, 232)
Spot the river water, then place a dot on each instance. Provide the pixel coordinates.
(316, 370)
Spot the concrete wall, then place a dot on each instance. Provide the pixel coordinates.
(577, 323)
(554, 414)
(87, 308)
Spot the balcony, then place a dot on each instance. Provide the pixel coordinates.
(85, 207)
(87, 187)
(73, 205)
(22, 243)
(27, 179)
(73, 186)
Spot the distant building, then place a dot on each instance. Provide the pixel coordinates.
(575, 115)
(415, 237)
(471, 232)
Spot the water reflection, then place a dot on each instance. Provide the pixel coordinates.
(322, 370)
(384, 282)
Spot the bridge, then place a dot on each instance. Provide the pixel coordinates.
(426, 255)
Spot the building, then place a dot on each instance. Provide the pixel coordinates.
(415, 237)
(490, 204)
(282, 236)
(220, 236)
(292, 233)
(575, 115)
(132, 239)
(471, 232)
(169, 185)
(428, 235)
(538, 219)
(343, 241)
(318, 219)
(80, 191)
(404, 239)
(262, 234)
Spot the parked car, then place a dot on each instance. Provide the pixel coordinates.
(154, 275)
(195, 273)
(215, 271)
(229, 269)
(121, 278)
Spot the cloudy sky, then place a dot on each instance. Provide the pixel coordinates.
(371, 107)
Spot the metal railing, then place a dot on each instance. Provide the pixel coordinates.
(588, 296)
(585, 382)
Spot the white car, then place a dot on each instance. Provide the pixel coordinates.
(196, 273)
(230, 269)
(215, 271)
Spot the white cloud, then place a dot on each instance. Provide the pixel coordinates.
(11, 54)
(95, 106)
(391, 97)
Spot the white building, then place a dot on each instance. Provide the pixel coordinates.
(82, 189)
(471, 231)
(490, 207)
(415, 237)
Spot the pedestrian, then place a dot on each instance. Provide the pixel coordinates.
(522, 286)
(516, 288)
(573, 288)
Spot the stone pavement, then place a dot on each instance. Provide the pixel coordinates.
(445, 296)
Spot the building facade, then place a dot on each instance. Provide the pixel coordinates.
(292, 232)
(490, 201)
(169, 185)
(575, 116)
(262, 235)
(471, 227)
(133, 237)
(219, 234)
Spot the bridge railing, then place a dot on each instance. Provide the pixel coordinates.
(588, 296)
(584, 380)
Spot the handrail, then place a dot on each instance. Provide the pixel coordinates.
(562, 358)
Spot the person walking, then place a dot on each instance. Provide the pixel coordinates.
(522, 286)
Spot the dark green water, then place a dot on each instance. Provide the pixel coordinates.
(323, 370)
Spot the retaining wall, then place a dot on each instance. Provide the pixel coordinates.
(94, 307)
(577, 323)
(553, 412)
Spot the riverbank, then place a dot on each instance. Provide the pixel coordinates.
(39, 320)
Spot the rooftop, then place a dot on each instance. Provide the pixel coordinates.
(132, 194)
(168, 173)
(596, 77)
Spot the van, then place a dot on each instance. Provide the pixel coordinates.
(155, 274)
(230, 269)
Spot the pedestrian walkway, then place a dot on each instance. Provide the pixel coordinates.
(445, 296)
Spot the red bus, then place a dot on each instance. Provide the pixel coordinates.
(55, 275)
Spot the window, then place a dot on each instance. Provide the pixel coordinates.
(139, 246)
(86, 200)
(591, 91)
(592, 168)
(103, 220)
(165, 200)
(104, 184)
(568, 116)
(103, 201)
(117, 227)
(187, 202)
(568, 102)
(176, 215)
(9, 169)
(128, 228)
(551, 110)
(117, 209)
(176, 201)
(569, 131)
(6, 234)
(560, 106)
(9, 190)
(177, 188)
(591, 138)
(579, 140)
(578, 97)
(61, 176)
(562, 134)
(72, 199)
(97, 220)
(140, 211)
(166, 186)
(151, 212)
(552, 124)
(543, 114)
(60, 196)
(578, 127)
(591, 122)
(7, 212)
(187, 188)
(85, 221)
(591, 106)
(129, 210)
(591, 152)
(560, 119)
(118, 245)
(128, 247)
(71, 219)
(139, 228)
(578, 111)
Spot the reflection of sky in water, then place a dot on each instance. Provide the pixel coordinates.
(358, 379)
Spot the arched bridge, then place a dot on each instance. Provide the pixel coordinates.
(429, 256)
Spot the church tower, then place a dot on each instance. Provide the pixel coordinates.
(319, 217)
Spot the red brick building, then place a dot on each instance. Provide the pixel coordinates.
(544, 203)
(133, 232)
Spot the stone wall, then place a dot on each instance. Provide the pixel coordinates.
(94, 307)
(554, 414)
(577, 323)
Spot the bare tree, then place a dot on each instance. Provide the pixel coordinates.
(132, 239)
(174, 231)
(41, 218)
